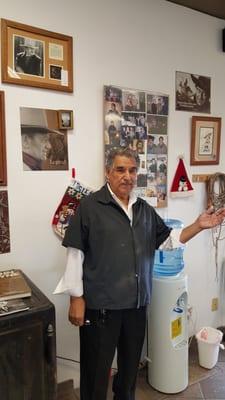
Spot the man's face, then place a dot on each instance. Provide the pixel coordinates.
(122, 176)
(37, 145)
(139, 146)
(29, 51)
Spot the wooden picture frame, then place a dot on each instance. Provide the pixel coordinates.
(205, 140)
(3, 168)
(65, 118)
(36, 57)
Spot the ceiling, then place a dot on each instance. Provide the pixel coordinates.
(216, 8)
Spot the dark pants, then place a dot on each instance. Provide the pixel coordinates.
(107, 331)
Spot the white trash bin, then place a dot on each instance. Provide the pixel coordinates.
(208, 340)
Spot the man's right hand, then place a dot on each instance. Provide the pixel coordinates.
(77, 310)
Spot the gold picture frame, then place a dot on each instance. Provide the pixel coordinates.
(205, 140)
(65, 118)
(3, 167)
(36, 57)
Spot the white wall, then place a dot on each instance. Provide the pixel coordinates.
(135, 44)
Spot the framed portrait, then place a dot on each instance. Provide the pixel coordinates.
(3, 170)
(44, 145)
(65, 118)
(205, 140)
(36, 57)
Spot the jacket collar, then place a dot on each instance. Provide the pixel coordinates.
(104, 196)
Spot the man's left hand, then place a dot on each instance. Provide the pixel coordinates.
(211, 218)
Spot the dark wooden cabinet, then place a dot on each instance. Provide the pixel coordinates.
(28, 351)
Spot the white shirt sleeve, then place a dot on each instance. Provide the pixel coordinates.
(72, 281)
(173, 241)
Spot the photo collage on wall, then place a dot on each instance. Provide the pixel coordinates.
(139, 120)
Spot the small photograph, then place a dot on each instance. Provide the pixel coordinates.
(151, 146)
(151, 178)
(140, 146)
(141, 180)
(192, 92)
(127, 136)
(161, 170)
(151, 165)
(112, 117)
(140, 192)
(161, 195)
(161, 144)
(133, 119)
(141, 120)
(151, 191)
(142, 102)
(141, 132)
(113, 132)
(162, 165)
(113, 94)
(4, 223)
(65, 118)
(28, 56)
(131, 101)
(143, 164)
(113, 108)
(55, 72)
(157, 104)
(161, 178)
(44, 146)
(128, 119)
(157, 125)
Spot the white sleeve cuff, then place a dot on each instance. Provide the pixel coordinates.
(71, 282)
(173, 241)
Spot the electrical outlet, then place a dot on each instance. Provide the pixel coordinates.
(214, 304)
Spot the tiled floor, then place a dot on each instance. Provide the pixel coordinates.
(203, 383)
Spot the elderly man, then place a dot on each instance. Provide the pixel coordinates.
(111, 242)
(36, 146)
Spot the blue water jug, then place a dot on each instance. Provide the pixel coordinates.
(169, 262)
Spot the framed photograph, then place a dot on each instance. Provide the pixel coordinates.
(36, 57)
(44, 145)
(65, 118)
(205, 140)
(3, 170)
(193, 92)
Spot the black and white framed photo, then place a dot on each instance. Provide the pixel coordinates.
(193, 92)
(65, 118)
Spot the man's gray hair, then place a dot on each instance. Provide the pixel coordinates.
(122, 152)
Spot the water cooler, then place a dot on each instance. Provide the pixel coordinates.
(167, 322)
